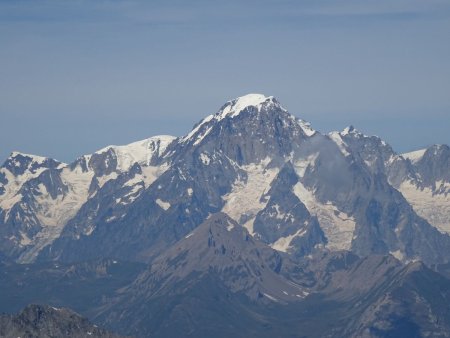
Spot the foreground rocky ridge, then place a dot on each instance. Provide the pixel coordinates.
(220, 282)
(42, 321)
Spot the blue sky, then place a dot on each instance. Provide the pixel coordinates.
(78, 75)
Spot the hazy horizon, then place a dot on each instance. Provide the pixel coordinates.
(77, 76)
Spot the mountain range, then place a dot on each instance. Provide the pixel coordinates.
(252, 224)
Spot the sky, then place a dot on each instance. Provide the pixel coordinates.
(78, 75)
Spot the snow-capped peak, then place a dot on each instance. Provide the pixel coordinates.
(140, 152)
(231, 110)
(19, 163)
(349, 130)
(34, 158)
(235, 107)
(438, 148)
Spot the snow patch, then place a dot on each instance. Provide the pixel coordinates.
(336, 138)
(141, 152)
(162, 204)
(132, 195)
(205, 158)
(397, 254)
(337, 225)
(306, 127)
(271, 297)
(284, 243)
(230, 226)
(8, 202)
(110, 219)
(245, 199)
(197, 128)
(105, 178)
(347, 131)
(414, 156)
(435, 208)
(24, 240)
(249, 225)
(233, 108)
(301, 165)
(278, 214)
(133, 181)
(53, 214)
(150, 174)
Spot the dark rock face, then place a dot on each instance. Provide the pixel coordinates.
(104, 163)
(3, 182)
(44, 321)
(81, 162)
